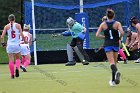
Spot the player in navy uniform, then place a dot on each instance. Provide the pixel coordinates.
(111, 29)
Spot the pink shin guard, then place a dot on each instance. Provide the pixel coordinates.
(27, 63)
(11, 68)
(23, 60)
(122, 54)
(17, 63)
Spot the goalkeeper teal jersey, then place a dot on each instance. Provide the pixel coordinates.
(76, 29)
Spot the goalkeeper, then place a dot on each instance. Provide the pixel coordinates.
(78, 34)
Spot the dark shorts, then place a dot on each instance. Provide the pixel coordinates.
(111, 48)
(76, 41)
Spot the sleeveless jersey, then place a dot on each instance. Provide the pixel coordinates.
(26, 36)
(13, 35)
(111, 35)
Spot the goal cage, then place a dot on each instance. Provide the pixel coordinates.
(48, 20)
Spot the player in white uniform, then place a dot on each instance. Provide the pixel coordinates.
(14, 32)
(25, 48)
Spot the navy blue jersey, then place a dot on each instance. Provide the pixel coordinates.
(111, 35)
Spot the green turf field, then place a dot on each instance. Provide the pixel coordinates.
(57, 78)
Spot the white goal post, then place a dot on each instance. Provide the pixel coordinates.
(34, 32)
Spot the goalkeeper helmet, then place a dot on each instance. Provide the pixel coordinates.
(70, 22)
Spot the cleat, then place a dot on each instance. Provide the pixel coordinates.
(12, 77)
(23, 69)
(112, 83)
(17, 73)
(70, 63)
(117, 77)
(85, 62)
(137, 61)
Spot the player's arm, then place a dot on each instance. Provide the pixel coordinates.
(99, 31)
(138, 32)
(135, 42)
(30, 42)
(127, 42)
(120, 29)
(3, 34)
(132, 41)
(138, 36)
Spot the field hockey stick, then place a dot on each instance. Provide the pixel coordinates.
(98, 49)
(56, 35)
(124, 47)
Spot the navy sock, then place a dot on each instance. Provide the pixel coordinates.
(114, 70)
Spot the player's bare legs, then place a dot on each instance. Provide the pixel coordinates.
(26, 62)
(112, 58)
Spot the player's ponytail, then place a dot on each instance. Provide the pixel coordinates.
(110, 13)
(11, 25)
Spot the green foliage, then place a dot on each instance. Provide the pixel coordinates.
(3, 54)
(8, 7)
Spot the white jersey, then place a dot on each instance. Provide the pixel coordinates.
(13, 35)
(25, 49)
(26, 36)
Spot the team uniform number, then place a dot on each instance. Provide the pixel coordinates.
(110, 33)
(13, 35)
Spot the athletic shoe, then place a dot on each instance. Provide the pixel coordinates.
(23, 69)
(112, 83)
(137, 61)
(17, 73)
(85, 62)
(117, 77)
(12, 77)
(70, 63)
